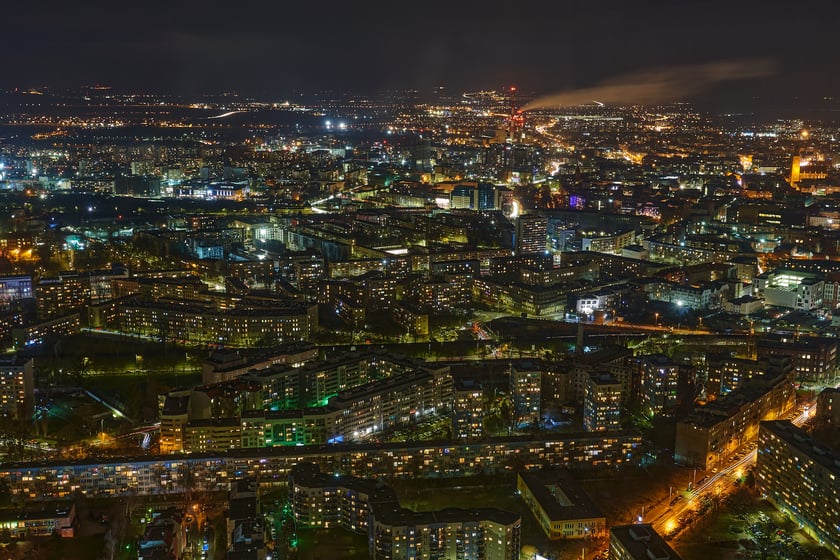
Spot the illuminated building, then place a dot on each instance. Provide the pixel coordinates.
(615, 265)
(224, 365)
(184, 287)
(601, 242)
(790, 288)
(391, 403)
(828, 408)
(708, 295)
(531, 234)
(34, 334)
(614, 360)
(520, 298)
(661, 382)
(40, 521)
(814, 358)
(212, 434)
(714, 431)
(14, 289)
(441, 294)
(525, 385)
(459, 534)
(809, 170)
(560, 506)
(473, 196)
(322, 500)
(639, 542)
(348, 398)
(414, 321)
(174, 415)
(351, 299)
(467, 410)
(588, 303)
(602, 404)
(725, 373)
(284, 321)
(154, 475)
(271, 428)
(73, 291)
(802, 479)
(17, 387)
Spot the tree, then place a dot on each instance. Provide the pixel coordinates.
(187, 479)
(5, 492)
(764, 533)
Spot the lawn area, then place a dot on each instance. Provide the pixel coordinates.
(326, 544)
(717, 534)
(54, 548)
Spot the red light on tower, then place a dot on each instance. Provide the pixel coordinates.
(513, 113)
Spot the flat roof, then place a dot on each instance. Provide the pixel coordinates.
(730, 404)
(802, 442)
(643, 542)
(559, 495)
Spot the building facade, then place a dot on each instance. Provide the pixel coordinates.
(802, 479)
(602, 404)
(17, 387)
(714, 431)
(160, 475)
(560, 506)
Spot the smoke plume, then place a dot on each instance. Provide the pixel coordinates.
(661, 85)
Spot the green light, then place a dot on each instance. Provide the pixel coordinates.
(326, 400)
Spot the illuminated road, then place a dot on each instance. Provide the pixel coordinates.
(665, 518)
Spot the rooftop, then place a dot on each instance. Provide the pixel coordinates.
(729, 405)
(800, 440)
(642, 542)
(559, 495)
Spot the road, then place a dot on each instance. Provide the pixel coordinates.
(665, 518)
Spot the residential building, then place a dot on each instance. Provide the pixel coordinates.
(725, 373)
(17, 387)
(40, 520)
(460, 534)
(525, 385)
(802, 479)
(828, 408)
(467, 409)
(639, 542)
(531, 234)
(602, 404)
(36, 333)
(561, 507)
(360, 505)
(663, 382)
(13, 290)
(153, 475)
(814, 358)
(714, 431)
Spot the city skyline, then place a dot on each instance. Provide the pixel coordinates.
(544, 48)
(490, 280)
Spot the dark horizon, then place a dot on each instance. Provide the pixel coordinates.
(275, 51)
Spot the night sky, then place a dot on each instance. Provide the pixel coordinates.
(273, 49)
